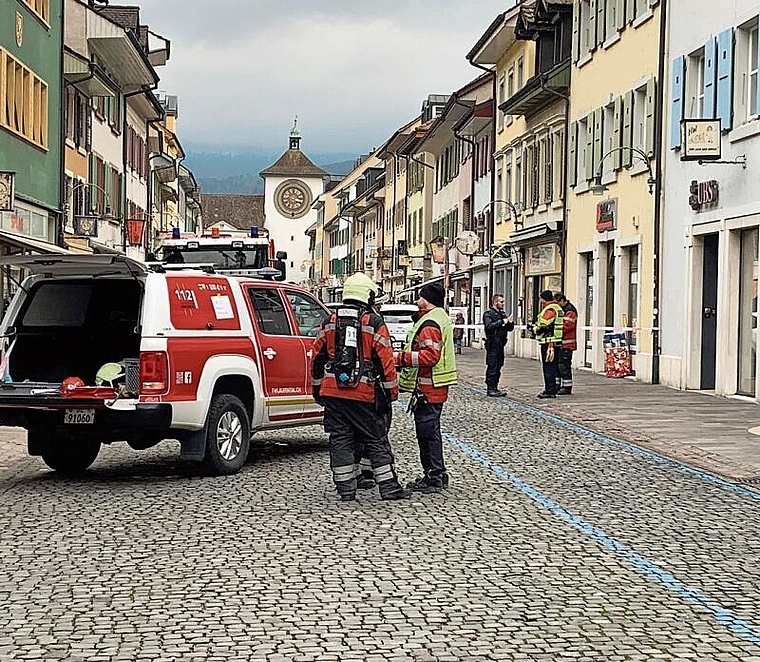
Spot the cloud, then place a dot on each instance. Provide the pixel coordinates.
(243, 69)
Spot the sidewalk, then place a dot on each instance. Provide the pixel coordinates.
(702, 430)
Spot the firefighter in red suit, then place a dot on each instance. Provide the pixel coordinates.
(569, 344)
(354, 378)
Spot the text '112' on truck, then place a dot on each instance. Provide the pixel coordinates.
(253, 255)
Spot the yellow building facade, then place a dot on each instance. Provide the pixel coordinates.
(609, 261)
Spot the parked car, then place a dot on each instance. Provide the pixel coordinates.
(398, 319)
(100, 348)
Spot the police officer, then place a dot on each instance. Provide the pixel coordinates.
(497, 324)
(352, 353)
(429, 368)
(548, 330)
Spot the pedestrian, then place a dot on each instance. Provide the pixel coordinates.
(569, 344)
(548, 331)
(352, 354)
(458, 332)
(428, 369)
(497, 325)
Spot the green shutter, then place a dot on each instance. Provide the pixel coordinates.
(589, 146)
(627, 141)
(620, 14)
(650, 105)
(598, 147)
(572, 154)
(576, 30)
(601, 21)
(617, 132)
(592, 24)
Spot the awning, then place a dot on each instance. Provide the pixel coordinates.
(540, 91)
(533, 232)
(86, 76)
(30, 244)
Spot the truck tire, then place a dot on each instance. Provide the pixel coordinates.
(69, 455)
(228, 436)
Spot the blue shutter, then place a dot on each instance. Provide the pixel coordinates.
(725, 92)
(676, 100)
(709, 109)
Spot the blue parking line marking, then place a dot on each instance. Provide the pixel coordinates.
(695, 597)
(630, 448)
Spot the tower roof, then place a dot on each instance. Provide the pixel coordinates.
(293, 163)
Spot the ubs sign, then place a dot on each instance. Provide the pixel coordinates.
(703, 194)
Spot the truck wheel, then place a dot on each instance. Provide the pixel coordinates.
(228, 436)
(70, 456)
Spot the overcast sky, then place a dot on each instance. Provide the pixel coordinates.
(353, 72)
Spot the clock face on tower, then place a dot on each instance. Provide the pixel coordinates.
(292, 198)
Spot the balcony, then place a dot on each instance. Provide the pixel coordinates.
(540, 91)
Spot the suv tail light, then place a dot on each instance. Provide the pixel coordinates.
(154, 373)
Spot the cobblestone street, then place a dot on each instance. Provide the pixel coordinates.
(553, 542)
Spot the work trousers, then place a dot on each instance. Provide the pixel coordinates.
(565, 369)
(494, 363)
(427, 424)
(550, 368)
(356, 429)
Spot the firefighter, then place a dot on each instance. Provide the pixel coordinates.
(429, 368)
(548, 331)
(569, 344)
(352, 358)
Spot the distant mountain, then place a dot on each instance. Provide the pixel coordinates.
(239, 172)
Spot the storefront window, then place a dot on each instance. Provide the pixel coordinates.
(609, 307)
(589, 310)
(748, 312)
(632, 256)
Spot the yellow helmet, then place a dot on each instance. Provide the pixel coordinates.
(359, 287)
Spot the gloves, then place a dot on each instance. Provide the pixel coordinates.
(550, 353)
(317, 397)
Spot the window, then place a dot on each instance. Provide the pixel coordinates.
(520, 73)
(640, 119)
(608, 141)
(695, 84)
(584, 155)
(270, 312)
(752, 87)
(500, 97)
(309, 314)
(23, 101)
(508, 178)
(39, 7)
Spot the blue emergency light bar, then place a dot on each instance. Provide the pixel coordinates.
(176, 233)
(254, 232)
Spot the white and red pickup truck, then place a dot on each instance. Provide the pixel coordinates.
(208, 359)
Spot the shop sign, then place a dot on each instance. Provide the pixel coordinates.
(606, 215)
(417, 263)
(703, 194)
(541, 259)
(700, 140)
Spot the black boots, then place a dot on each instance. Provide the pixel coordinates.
(495, 393)
(391, 490)
(565, 391)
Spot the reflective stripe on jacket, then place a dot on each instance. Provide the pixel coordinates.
(376, 350)
(429, 350)
(549, 324)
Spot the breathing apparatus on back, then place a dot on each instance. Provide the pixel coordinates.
(350, 364)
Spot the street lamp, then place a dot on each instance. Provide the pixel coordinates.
(597, 188)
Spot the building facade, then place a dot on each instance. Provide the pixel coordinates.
(712, 211)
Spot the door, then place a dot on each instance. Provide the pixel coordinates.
(709, 311)
(308, 315)
(282, 355)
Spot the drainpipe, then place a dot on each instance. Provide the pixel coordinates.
(470, 142)
(393, 222)
(490, 229)
(658, 190)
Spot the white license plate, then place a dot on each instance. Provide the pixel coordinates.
(79, 417)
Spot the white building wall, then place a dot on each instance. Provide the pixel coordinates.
(683, 229)
(289, 234)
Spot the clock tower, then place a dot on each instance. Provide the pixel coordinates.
(291, 185)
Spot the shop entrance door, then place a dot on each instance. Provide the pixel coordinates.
(709, 311)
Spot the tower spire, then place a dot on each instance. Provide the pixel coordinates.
(295, 135)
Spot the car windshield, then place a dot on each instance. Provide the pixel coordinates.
(222, 258)
(397, 316)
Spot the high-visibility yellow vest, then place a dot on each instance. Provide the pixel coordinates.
(542, 323)
(445, 371)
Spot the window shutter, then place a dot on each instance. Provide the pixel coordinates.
(576, 30)
(88, 126)
(617, 136)
(654, 3)
(592, 24)
(598, 147)
(90, 190)
(630, 10)
(725, 90)
(601, 20)
(621, 14)
(572, 156)
(676, 100)
(709, 108)
(590, 146)
(627, 141)
(651, 102)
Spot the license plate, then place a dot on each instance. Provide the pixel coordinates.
(79, 417)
